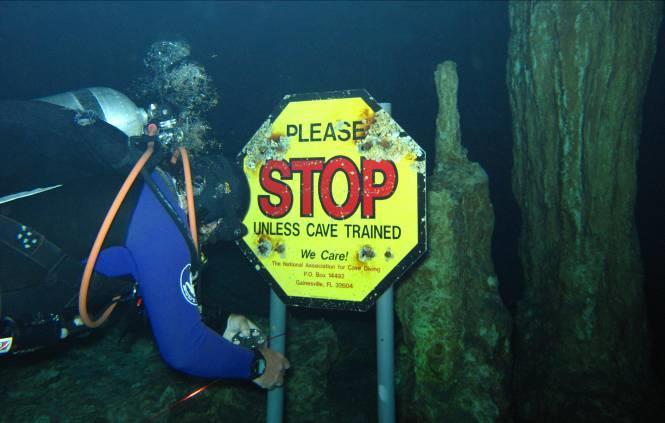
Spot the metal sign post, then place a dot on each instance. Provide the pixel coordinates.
(385, 346)
(275, 407)
(385, 357)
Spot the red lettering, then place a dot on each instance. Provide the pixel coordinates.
(275, 187)
(364, 194)
(348, 207)
(306, 167)
(372, 191)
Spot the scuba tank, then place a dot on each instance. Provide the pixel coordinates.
(118, 110)
(109, 105)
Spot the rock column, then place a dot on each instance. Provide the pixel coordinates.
(454, 359)
(577, 74)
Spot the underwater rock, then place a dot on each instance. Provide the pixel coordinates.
(314, 347)
(100, 378)
(577, 73)
(168, 397)
(455, 357)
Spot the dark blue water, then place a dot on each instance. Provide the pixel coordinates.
(256, 52)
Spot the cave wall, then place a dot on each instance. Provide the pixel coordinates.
(577, 73)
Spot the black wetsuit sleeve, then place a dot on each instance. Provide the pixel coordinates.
(43, 145)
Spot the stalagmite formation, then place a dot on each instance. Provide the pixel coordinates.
(577, 74)
(454, 359)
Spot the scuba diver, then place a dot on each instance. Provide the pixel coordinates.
(65, 157)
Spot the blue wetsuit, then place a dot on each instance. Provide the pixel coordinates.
(47, 140)
(157, 256)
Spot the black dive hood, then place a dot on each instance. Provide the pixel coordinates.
(221, 196)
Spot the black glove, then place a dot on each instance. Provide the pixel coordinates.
(139, 144)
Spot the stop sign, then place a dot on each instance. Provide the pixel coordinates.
(337, 200)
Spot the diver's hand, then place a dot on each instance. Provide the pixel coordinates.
(276, 365)
(237, 323)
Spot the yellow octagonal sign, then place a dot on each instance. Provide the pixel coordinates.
(337, 203)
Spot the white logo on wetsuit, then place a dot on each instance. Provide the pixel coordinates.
(187, 285)
(5, 345)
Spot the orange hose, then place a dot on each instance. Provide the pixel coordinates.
(96, 247)
(191, 213)
(174, 157)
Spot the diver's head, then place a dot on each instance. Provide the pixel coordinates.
(222, 198)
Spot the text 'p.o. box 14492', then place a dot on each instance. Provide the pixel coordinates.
(337, 204)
